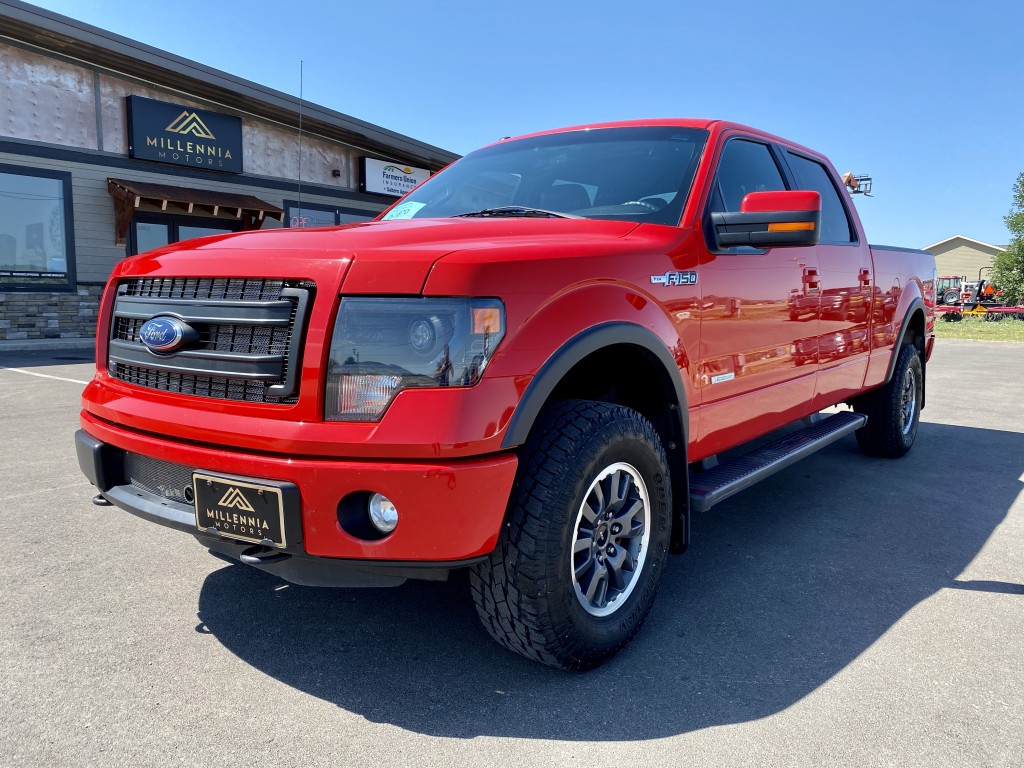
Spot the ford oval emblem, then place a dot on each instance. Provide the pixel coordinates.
(166, 334)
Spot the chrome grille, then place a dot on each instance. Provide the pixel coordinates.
(249, 331)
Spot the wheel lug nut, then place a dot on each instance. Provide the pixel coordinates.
(616, 529)
(611, 551)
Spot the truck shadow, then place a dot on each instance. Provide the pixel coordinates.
(784, 586)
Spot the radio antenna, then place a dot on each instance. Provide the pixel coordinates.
(300, 140)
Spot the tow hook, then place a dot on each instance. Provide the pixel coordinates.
(99, 501)
(260, 555)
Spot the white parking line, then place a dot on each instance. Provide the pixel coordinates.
(42, 375)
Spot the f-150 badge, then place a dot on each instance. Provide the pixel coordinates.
(675, 278)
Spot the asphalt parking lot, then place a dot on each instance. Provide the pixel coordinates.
(848, 611)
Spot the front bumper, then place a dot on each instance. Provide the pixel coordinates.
(450, 512)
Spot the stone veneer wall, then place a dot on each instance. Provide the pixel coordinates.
(50, 315)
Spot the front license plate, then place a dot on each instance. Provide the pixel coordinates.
(240, 510)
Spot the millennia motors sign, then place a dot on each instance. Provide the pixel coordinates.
(171, 133)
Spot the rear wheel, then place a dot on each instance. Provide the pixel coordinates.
(578, 563)
(893, 410)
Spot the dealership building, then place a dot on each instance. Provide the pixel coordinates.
(109, 148)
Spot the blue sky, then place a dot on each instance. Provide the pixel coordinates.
(924, 96)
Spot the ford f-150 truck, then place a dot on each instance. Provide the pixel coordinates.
(527, 367)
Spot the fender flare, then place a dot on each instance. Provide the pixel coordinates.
(576, 349)
(572, 352)
(915, 305)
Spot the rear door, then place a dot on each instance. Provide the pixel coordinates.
(759, 323)
(845, 270)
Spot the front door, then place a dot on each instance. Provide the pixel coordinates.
(759, 315)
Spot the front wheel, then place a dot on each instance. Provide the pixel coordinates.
(893, 410)
(578, 563)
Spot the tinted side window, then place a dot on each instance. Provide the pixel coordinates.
(745, 167)
(835, 226)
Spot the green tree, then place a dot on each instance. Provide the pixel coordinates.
(1008, 267)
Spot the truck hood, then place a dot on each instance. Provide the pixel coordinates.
(397, 256)
(390, 257)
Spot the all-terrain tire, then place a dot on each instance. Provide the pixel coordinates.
(540, 591)
(894, 409)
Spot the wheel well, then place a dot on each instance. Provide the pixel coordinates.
(626, 375)
(631, 376)
(915, 332)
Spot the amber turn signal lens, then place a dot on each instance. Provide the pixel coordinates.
(791, 226)
(486, 320)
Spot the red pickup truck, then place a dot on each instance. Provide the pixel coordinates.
(526, 367)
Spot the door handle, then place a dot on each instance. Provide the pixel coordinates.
(811, 279)
(865, 277)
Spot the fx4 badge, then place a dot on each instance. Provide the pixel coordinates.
(675, 278)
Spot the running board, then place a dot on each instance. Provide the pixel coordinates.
(717, 484)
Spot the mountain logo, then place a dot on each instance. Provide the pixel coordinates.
(189, 122)
(234, 498)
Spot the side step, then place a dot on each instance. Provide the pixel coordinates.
(717, 484)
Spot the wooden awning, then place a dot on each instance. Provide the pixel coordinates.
(129, 195)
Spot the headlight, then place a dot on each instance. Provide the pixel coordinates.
(381, 346)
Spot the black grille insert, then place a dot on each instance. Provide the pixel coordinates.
(248, 349)
(217, 288)
(160, 478)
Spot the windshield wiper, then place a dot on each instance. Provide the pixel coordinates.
(517, 210)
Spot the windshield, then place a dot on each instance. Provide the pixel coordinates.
(630, 174)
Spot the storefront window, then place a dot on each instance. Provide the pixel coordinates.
(186, 232)
(36, 248)
(352, 218)
(313, 215)
(150, 235)
(151, 231)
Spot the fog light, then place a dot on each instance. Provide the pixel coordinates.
(383, 514)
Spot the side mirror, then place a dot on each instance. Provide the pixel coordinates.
(770, 220)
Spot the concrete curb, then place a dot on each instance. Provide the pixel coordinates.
(46, 345)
